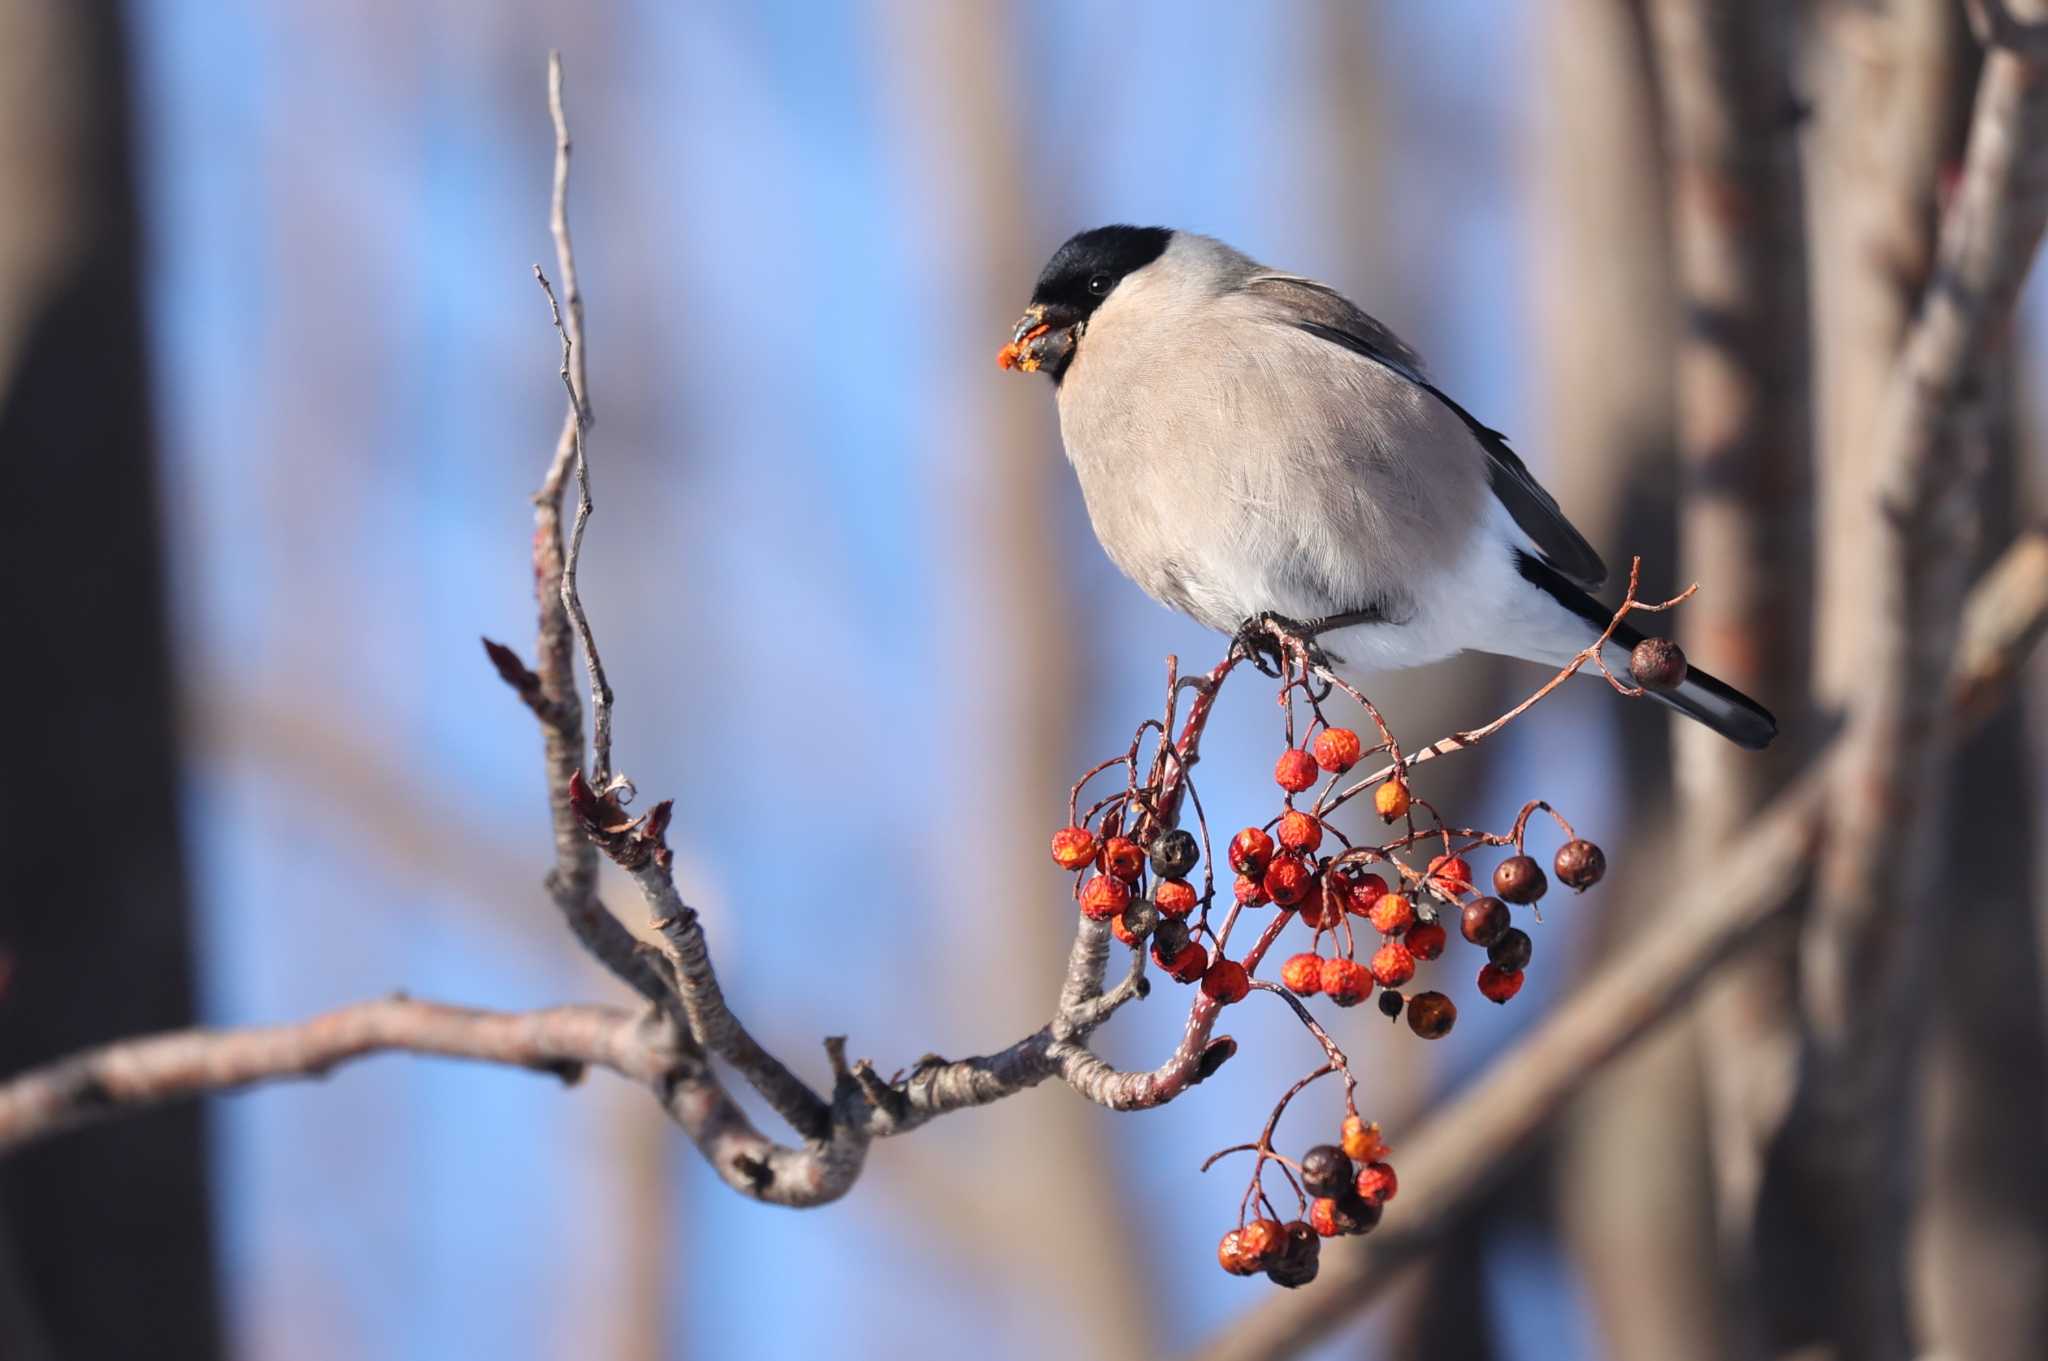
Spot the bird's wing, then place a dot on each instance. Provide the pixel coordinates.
(1326, 314)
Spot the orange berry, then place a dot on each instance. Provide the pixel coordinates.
(1300, 831)
(1295, 770)
(1288, 880)
(1303, 974)
(1425, 940)
(1377, 1183)
(1337, 749)
(1262, 1241)
(1103, 897)
(1323, 907)
(1449, 875)
(1361, 1142)
(1251, 891)
(1121, 929)
(1331, 1216)
(1346, 982)
(1392, 914)
(1187, 965)
(1392, 965)
(1175, 897)
(1072, 848)
(1498, 985)
(1122, 857)
(1250, 851)
(1226, 981)
(1230, 1254)
(1391, 799)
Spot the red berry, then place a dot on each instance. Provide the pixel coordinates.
(1337, 749)
(1484, 921)
(1361, 1142)
(1103, 897)
(1186, 965)
(1580, 864)
(1431, 1015)
(1392, 914)
(1449, 876)
(1250, 850)
(1346, 982)
(1392, 965)
(1230, 1254)
(1262, 1241)
(1226, 982)
(1300, 831)
(1323, 906)
(1251, 892)
(1288, 880)
(1072, 848)
(1303, 974)
(1377, 1184)
(1497, 984)
(1295, 770)
(1519, 879)
(1367, 888)
(1331, 1216)
(1122, 858)
(1323, 1218)
(1391, 799)
(1425, 940)
(1175, 897)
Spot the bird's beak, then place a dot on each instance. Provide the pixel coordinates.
(1041, 340)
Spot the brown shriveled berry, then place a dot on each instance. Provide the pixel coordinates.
(1580, 864)
(1300, 831)
(1449, 876)
(1300, 1259)
(1174, 853)
(1226, 981)
(1376, 1183)
(1425, 940)
(1103, 897)
(1230, 1254)
(1175, 897)
(1262, 1241)
(1072, 848)
(1295, 770)
(1337, 749)
(1431, 1015)
(1121, 929)
(1512, 950)
(1392, 965)
(1361, 1142)
(1346, 982)
(1497, 984)
(1391, 799)
(1169, 938)
(1366, 888)
(1303, 974)
(1187, 965)
(1288, 880)
(1390, 1003)
(1519, 879)
(1122, 858)
(1657, 664)
(1250, 891)
(1250, 850)
(1325, 1171)
(1484, 920)
(1392, 914)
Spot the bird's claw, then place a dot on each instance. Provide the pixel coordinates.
(1271, 641)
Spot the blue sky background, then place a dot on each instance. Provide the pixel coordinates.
(790, 337)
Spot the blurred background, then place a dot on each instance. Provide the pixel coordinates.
(277, 385)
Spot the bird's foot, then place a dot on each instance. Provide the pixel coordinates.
(1272, 642)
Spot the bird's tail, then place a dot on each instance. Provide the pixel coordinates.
(1701, 697)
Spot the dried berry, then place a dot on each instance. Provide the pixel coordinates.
(1122, 858)
(1484, 920)
(1497, 984)
(1449, 876)
(1332, 1216)
(1169, 938)
(1580, 864)
(1657, 664)
(1250, 891)
(1425, 940)
(1226, 981)
(1392, 914)
(1250, 850)
(1392, 965)
(1376, 1183)
(1300, 831)
(1288, 880)
(1325, 1171)
(1072, 848)
(1261, 1242)
(1303, 974)
(1230, 1254)
(1361, 1142)
(1431, 1015)
(1391, 799)
(1175, 853)
(1121, 929)
(1519, 879)
(1186, 965)
(1295, 770)
(1323, 905)
(1390, 1004)
(1103, 897)
(1512, 950)
(1337, 749)
(1175, 897)
(1300, 1259)
(1346, 982)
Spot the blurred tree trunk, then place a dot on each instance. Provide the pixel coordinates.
(108, 1229)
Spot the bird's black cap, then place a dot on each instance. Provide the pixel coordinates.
(1090, 257)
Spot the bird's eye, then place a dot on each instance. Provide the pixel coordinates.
(1100, 285)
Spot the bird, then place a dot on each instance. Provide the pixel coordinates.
(1250, 444)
